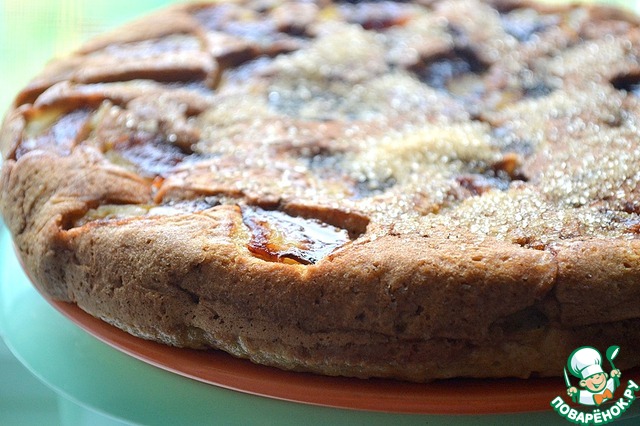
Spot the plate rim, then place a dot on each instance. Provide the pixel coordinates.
(217, 368)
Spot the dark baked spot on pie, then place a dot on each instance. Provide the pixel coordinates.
(631, 206)
(629, 83)
(440, 70)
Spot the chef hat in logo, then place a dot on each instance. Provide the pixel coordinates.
(584, 362)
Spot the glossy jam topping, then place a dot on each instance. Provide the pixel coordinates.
(278, 237)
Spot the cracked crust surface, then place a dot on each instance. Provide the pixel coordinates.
(413, 190)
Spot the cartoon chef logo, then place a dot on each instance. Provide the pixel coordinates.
(596, 388)
(585, 363)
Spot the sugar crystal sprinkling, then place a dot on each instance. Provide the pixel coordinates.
(350, 122)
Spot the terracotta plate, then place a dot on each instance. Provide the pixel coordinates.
(220, 369)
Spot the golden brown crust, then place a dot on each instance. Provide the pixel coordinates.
(383, 189)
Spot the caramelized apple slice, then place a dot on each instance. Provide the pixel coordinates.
(278, 237)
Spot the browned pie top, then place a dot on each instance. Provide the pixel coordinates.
(324, 123)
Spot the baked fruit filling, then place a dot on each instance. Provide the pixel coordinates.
(400, 112)
(394, 110)
(278, 237)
